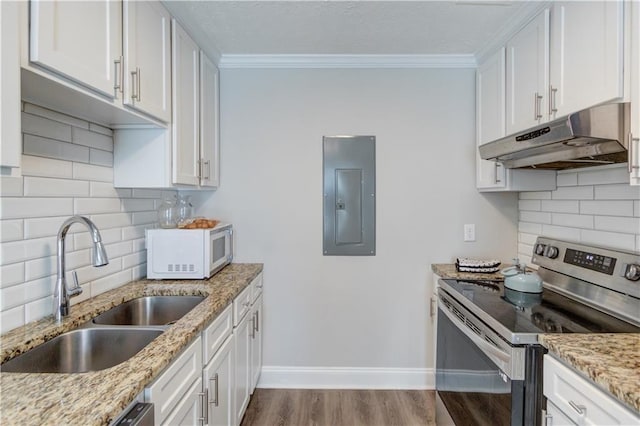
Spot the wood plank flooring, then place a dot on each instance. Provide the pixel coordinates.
(297, 407)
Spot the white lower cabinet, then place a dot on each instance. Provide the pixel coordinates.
(211, 382)
(242, 333)
(171, 390)
(256, 342)
(579, 400)
(218, 384)
(188, 411)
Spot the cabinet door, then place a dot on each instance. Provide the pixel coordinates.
(243, 366)
(209, 123)
(80, 40)
(218, 379)
(490, 116)
(556, 417)
(185, 94)
(256, 343)
(175, 381)
(188, 412)
(10, 134)
(527, 74)
(147, 58)
(586, 55)
(634, 137)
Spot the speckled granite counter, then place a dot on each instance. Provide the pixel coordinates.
(610, 360)
(448, 270)
(96, 398)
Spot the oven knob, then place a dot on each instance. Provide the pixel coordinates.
(551, 252)
(550, 326)
(539, 248)
(632, 272)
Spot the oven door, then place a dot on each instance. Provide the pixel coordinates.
(475, 390)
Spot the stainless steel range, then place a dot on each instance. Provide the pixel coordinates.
(489, 362)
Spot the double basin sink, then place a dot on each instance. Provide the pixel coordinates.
(108, 340)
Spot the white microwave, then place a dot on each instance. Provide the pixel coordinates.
(188, 253)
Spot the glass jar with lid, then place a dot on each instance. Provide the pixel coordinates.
(167, 214)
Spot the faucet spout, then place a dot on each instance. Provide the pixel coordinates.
(62, 295)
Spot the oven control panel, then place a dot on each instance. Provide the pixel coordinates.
(595, 262)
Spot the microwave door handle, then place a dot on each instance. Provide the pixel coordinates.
(503, 359)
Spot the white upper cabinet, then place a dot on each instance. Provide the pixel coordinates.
(80, 40)
(209, 123)
(186, 95)
(490, 117)
(528, 74)
(634, 136)
(490, 122)
(586, 65)
(10, 134)
(147, 58)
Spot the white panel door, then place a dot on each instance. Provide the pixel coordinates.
(243, 366)
(185, 94)
(81, 40)
(586, 55)
(10, 133)
(527, 74)
(218, 378)
(490, 119)
(189, 411)
(256, 343)
(147, 58)
(634, 138)
(209, 123)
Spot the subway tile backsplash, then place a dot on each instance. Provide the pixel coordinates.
(595, 206)
(67, 169)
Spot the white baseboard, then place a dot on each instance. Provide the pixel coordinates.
(276, 377)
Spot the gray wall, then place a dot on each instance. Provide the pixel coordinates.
(335, 313)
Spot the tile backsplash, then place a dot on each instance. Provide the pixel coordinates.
(596, 206)
(67, 169)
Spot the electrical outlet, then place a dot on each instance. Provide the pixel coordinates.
(470, 232)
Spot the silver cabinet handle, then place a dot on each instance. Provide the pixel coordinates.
(135, 84)
(580, 409)
(536, 107)
(204, 397)
(214, 380)
(117, 81)
(632, 155)
(200, 169)
(552, 100)
(253, 326)
(497, 174)
(257, 322)
(208, 164)
(432, 306)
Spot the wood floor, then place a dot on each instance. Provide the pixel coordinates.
(296, 407)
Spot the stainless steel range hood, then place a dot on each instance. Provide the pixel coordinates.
(590, 137)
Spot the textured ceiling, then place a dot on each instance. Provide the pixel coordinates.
(344, 27)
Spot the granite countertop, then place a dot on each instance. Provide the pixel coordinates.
(612, 361)
(96, 398)
(448, 270)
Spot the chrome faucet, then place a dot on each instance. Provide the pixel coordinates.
(62, 295)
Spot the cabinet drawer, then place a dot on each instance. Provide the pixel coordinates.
(241, 305)
(256, 287)
(167, 391)
(580, 399)
(215, 335)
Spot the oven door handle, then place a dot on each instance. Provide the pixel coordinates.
(500, 358)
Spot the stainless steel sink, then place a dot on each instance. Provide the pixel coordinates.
(149, 310)
(82, 350)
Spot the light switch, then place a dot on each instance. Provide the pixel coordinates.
(470, 232)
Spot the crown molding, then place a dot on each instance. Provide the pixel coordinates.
(347, 61)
